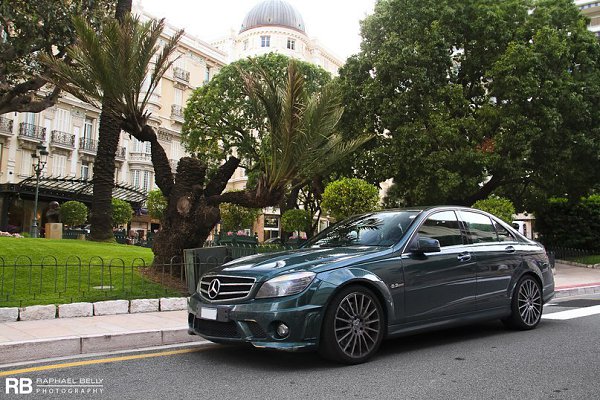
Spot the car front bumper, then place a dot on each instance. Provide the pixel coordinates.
(256, 322)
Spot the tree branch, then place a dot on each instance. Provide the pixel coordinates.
(219, 181)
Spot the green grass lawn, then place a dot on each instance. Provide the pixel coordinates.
(43, 271)
(590, 260)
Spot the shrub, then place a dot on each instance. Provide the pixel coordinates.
(235, 218)
(499, 206)
(157, 204)
(73, 213)
(122, 212)
(566, 224)
(349, 196)
(296, 220)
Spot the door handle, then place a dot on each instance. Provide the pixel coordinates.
(463, 257)
(510, 249)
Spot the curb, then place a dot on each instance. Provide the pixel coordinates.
(39, 349)
(577, 290)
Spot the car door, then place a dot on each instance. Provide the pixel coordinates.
(495, 249)
(441, 284)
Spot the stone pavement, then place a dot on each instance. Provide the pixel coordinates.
(35, 340)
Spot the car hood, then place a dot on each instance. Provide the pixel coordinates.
(267, 265)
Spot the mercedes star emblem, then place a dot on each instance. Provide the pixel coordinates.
(213, 288)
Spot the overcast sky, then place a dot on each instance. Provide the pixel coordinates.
(335, 23)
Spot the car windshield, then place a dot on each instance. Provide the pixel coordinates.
(377, 229)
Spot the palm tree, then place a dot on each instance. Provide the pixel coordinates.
(302, 136)
(110, 71)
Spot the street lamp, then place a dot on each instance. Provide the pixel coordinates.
(39, 157)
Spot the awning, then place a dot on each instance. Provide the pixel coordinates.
(73, 189)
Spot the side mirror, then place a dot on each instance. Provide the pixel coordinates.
(425, 245)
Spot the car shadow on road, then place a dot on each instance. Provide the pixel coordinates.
(262, 359)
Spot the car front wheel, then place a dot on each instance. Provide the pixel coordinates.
(353, 326)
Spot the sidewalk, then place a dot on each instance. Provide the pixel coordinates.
(35, 340)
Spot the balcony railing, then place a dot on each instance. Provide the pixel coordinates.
(62, 139)
(88, 145)
(121, 151)
(31, 131)
(6, 125)
(164, 135)
(181, 74)
(177, 111)
(135, 156)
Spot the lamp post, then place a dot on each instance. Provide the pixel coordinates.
(38, 166)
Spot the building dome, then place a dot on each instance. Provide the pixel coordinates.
(273, 13)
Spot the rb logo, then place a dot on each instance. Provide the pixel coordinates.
(19, 385)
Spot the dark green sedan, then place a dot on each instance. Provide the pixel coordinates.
(375, 276)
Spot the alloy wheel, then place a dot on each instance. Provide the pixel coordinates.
(530, 302)
(357, 325)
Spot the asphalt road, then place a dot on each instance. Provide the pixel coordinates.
(558, 360)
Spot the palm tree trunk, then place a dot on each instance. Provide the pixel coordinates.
(101, 218)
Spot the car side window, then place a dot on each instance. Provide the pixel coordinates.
(480, 227)
(504, 234)
(442, 226)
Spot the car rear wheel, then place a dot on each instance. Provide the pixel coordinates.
(353, 326)
(526, 305)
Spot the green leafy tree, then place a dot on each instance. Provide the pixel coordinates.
(296, 220)
(499, 206)
(221, 121)
(469, 96)
(234, 217)
(122, 212)
(29, 28)
(156, 203)
(73, 213)
(349, 196)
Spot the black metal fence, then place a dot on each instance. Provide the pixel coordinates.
(25, 282)
(574, 255)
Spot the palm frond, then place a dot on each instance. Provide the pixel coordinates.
(115, 65)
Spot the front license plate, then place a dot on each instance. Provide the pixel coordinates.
(208, 313)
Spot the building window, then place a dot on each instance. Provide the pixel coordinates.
(291, 44)
(207, 74)
(141, 179)
(26, 163)
(62, 121)
(59, 165)
(88, 129)
(246, 44)
(85, 170)
(265, 41)
(178, 97)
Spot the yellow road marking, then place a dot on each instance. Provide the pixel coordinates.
(99, 361)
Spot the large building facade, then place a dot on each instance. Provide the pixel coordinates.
(69, 132)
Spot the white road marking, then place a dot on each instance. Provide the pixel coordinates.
(575, 313)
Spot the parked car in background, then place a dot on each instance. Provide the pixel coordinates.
(375, 276)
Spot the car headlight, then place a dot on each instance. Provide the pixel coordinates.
(286, 285)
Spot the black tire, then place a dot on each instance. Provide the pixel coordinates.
(526, 305)
(353, 326)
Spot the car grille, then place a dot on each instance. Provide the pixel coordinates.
(256, 330)
(215, 328)
(229, 287)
